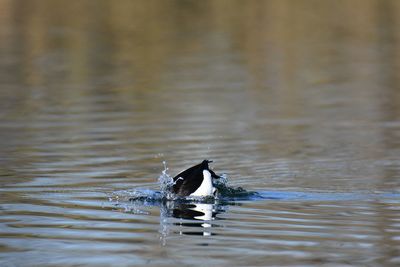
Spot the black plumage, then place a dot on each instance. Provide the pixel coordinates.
(187, 182)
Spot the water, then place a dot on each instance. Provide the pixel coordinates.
(296, 100)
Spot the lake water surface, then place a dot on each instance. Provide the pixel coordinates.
(297, 100)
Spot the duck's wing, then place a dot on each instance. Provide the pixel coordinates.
(188, 187)
(188, 181)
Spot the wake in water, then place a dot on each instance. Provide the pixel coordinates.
(224, 194)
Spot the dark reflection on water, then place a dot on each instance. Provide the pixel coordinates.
(193, 215)
(285, 96)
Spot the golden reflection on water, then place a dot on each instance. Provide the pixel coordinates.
(284, 45)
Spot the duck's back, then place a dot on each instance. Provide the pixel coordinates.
(187, 182)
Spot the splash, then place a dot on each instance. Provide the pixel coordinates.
(166, 182)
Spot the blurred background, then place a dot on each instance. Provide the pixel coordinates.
(246, 82)
(299, 95)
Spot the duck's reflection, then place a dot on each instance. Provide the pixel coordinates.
(204, 213)
(198, 211)
(183, 216)
(189, 218)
